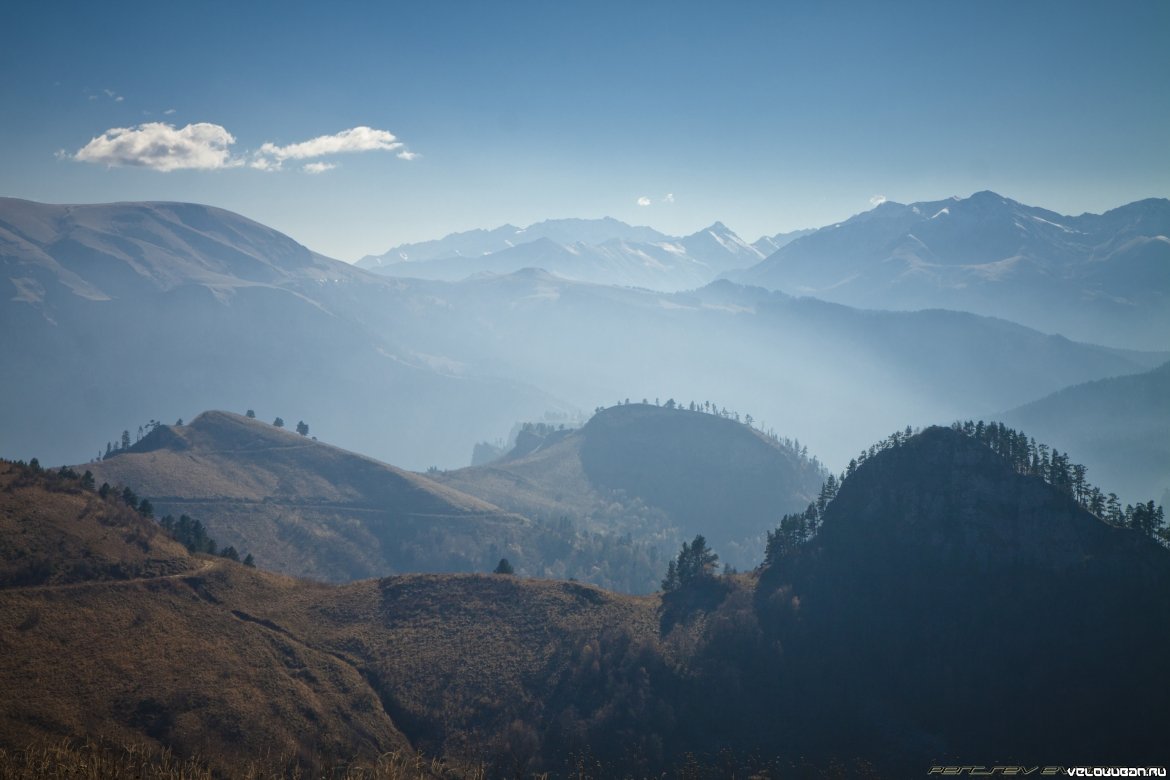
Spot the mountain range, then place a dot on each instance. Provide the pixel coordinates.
(604, 251)
(1103, 278)
(128, 312)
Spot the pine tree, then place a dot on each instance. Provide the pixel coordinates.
(670, 582)
(694, 561)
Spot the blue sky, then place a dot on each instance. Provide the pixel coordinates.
(768, 116)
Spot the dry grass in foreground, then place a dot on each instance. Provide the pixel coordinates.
(89, 760)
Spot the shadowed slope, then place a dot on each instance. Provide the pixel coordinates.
(663, 473)
(950, 606)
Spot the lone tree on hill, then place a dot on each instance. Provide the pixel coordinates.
(695, 561)
(278, 422)
(250, 414)
(503, 567)
(302, 428)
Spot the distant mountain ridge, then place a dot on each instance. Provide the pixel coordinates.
(103, 251)
(1103, 278)
(476, 243)
(766, 245)
(1119, 427)
(166, 309)
(604, 251)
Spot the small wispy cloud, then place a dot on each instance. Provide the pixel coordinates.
(162, 147)
(318, 167)
(668, 198)
(405, 155)
(643, 201)
(877, 200)
(112, 95)
(169, 111)
(356, 139)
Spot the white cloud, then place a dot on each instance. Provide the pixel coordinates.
(877, 200)
(204, 146)
(668, 198)
(169, 111)
(643, 201)
(356, 139)
(162, 147)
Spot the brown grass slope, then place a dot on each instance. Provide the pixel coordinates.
(237, 665)
(167, 662)
(307, 508)
(649, 470)
(53, 531)
(154, 657)
(472, 667)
